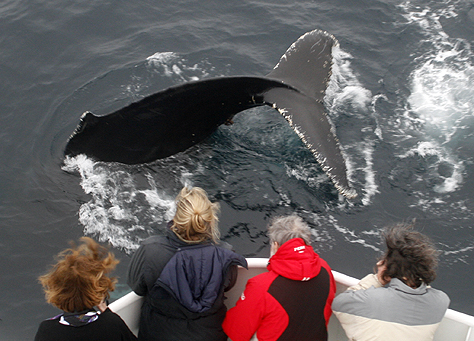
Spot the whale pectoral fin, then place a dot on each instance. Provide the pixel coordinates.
(309, 120)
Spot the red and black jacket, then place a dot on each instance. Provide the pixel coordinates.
(290, 302)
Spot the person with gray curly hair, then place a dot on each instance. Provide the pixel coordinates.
(397, 302)
(282, 229)
(292, 301)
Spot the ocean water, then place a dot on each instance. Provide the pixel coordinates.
(401, 100)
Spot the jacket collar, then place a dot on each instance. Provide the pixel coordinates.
(398, 285)
(78, 319)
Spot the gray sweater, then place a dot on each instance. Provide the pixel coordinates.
(370, 311)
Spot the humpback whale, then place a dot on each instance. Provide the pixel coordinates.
(174, 119)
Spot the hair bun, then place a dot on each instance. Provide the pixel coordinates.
(196, 217)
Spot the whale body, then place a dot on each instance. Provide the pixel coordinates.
(174, 119)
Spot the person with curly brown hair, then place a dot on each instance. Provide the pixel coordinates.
(396, 303)
(79, 285)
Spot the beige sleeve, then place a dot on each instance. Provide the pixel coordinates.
(367, 282)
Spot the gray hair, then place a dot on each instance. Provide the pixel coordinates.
(282, 229)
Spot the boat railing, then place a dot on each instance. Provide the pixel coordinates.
(456, 326)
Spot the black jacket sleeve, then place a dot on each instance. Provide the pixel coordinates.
(135, 275)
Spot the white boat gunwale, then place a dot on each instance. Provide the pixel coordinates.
(456, 326)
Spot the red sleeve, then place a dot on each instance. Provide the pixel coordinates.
(332, 292)
(242, 321)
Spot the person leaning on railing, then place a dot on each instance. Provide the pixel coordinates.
(292, 301)
(183, 274)
(397, 302)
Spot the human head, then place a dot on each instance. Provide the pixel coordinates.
(196, 218)
(282, 229)
(79, 281)
(410, 256)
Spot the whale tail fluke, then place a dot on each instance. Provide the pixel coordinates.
(172, 120)
(308, 119)
(306, 65)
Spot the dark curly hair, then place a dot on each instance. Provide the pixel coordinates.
(410, 256)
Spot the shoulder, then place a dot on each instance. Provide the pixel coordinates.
(114, 321)
(151, 244)
(109, 314)
(45, 328)
(111, 317)
(324, 264)
(437, 292)
(157, 246)
(359, 298)
(231, 257)
(439, 296)
(159, 239)
(262, 281)
(225, 245)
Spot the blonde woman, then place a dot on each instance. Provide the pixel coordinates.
(183, 274)
(79, 285)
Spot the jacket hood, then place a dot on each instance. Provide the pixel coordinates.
(195, 275)
(295, 260)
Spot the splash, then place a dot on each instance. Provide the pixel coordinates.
(442, 94)
(447, 170)
(346, 96)
(443, 90)
(175, 67)
(344, 86)
(118, 212)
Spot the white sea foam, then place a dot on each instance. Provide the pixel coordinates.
(165, 61)
(173, 65)
(329, 229)
(161, 58)
(378, 129)
(347, 95)
(118, 212)
(352, 236)
(458, 253)
(344, 86)
(442, 92)
(443, 82)
(309, 175)
(451, 179)
(371, 187)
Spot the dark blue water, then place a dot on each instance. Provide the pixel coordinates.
(401, 100)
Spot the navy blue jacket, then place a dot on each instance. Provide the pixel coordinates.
(195, 275)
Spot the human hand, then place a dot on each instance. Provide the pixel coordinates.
(381, 267)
